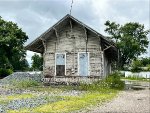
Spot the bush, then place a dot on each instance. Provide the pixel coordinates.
(5, 72)
(148, 69)
(136, 66)
(114, 81)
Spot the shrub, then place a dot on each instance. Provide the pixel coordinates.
(148, 69)
(9, 71)
(136, 66)
(5, 72)
(114, 81)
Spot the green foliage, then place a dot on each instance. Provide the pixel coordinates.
(5, 72)
(145, 61)
(12, 39)
(136, 66)
(21, 65)
(25, 83)
(131, 40)
(148, 69)
(37, 62)
(114, 81)
(140, 65)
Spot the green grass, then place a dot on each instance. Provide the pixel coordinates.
(136, 78)
(5, 99)
(54, 89)
(71, 103)
(25, 83)
(92, 96)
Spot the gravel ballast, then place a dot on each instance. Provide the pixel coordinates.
(40, 97)
(19, 76)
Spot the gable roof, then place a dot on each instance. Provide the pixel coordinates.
(37, 45)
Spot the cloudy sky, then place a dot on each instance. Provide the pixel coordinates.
(36, 16)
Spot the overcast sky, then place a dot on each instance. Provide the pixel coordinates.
(36, 16)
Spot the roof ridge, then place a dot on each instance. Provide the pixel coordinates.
(76, 20)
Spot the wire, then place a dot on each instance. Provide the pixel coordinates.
(71, 7)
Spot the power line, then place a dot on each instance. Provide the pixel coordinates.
(71, 7)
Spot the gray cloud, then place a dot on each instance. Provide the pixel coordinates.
(133, 10)
(36, 16)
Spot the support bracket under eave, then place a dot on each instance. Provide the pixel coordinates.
(44, 44)
(56, 33)
(70, 26)
(107, 48)
(85, 32)
(100, 43)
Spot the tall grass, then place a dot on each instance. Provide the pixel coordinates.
(26, 83)
(113, 81)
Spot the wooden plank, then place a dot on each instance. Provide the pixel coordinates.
(72, 46)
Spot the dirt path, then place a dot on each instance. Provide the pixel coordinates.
(129, 101)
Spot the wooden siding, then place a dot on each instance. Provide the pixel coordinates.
(71, 43)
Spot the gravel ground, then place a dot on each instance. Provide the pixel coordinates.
(128, 101)
(19, 76)
(40, 98)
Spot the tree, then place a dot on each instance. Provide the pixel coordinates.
(21, 65)
(131, 40)
(12, 52)
(37, 62)
(145, 61)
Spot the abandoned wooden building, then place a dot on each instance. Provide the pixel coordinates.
(71, 50)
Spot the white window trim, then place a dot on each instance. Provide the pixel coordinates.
(88, 63)
(55, 61)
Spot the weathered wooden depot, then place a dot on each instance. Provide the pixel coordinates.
(72, 51)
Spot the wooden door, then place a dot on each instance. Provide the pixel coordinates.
(60, 64)
(83, 64)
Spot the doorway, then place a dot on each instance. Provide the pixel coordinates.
(60, 64)
(83, 63)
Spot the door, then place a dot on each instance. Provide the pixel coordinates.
(60, 64)
(83, 64)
